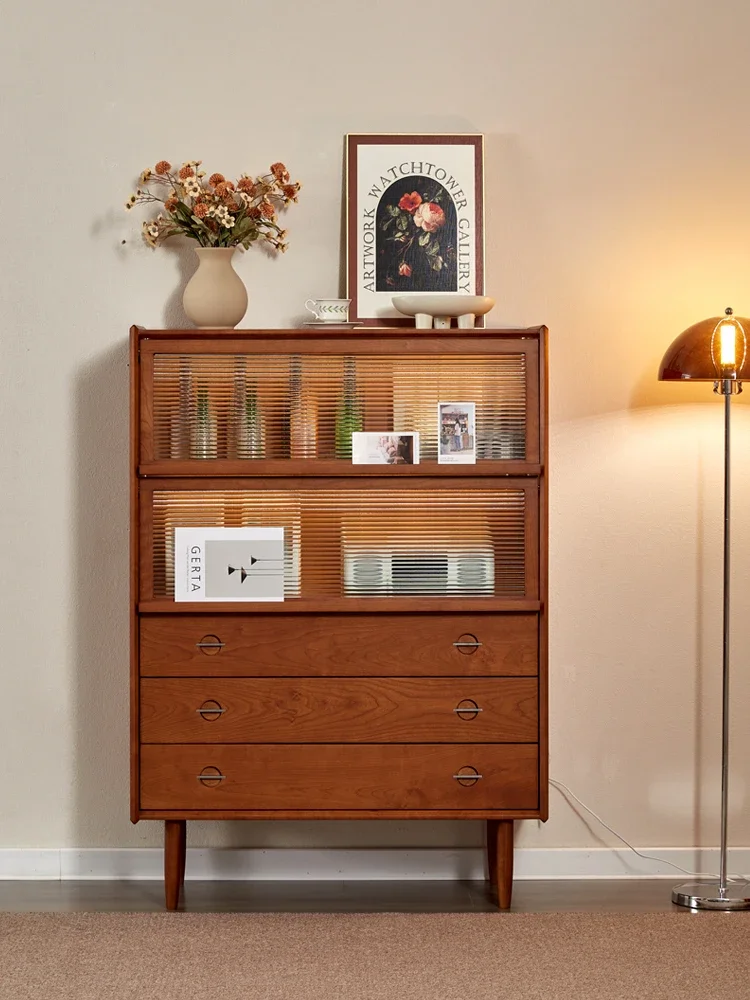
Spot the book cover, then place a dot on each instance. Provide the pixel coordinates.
(229, 564)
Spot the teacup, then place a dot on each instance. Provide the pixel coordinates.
(329, 310)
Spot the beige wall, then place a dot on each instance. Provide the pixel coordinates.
(618, 212)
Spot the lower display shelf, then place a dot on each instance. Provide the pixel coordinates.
(223, 778)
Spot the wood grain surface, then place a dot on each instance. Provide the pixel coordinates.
(339, 645)
(338, 776)
(341, 710)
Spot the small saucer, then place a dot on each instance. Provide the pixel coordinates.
(322, 322)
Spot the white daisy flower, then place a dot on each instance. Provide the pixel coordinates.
(192, 186)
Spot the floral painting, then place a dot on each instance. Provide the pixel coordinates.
(416, 237)
(414, 220)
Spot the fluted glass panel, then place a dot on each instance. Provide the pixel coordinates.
(247, 406)
(366, 543)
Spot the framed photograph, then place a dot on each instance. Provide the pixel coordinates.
(457, 441)
(229, 564)
(391, 448)
(414, 220)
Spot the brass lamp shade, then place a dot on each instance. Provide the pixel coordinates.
(696, 354)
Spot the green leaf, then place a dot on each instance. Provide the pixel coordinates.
(403, 221)
(424, 239)
(436, 263)
(386, 224)
(435, 248)
(394, 210)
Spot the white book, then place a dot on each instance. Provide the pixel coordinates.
(229, 564)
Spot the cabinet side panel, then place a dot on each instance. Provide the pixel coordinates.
(543, 577)
(134, 573)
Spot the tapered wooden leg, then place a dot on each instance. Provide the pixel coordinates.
(500, 859)
(492, 825)
(174, 860)
(183, 853)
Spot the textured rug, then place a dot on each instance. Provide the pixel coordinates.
(484, 956)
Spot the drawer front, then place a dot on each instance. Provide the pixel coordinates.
(326, 777)
(324, 710)
(339, 645)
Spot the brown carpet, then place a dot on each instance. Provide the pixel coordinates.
(483, 956)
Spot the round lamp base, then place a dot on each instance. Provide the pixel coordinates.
(710, 896)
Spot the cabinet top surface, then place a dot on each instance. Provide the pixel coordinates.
(402, 333)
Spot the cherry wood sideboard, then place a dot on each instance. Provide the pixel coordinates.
(404, 674)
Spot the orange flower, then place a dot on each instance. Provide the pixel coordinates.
(267, 210)
(185, 172)
(246, 184)
(222, 188)
(280, 172)
(404, 269)
(215, 179)
(410, 202)
(162, 167)
(254, 212)
(290, 191)
(171, 204)
(200, 210)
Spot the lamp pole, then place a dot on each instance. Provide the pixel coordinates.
(726, 388)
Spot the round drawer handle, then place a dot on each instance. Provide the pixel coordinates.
(210, 645)
(210, 777)
(467, 644)
(467, 709)
(210, 710)
(468, 776)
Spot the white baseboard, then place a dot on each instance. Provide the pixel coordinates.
(270, 864)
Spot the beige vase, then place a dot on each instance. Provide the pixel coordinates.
(215, 298)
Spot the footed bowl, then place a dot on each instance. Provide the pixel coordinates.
(438, 310)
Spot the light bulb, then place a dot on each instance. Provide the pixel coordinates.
(728, 345)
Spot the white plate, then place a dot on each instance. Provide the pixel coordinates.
(325, 322)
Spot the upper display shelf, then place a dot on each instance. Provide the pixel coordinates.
(269, 400)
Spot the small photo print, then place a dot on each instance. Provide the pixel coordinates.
(391, 448)
(457, 433)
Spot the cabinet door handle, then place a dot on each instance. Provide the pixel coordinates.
(467, 777)
(470, 645)
(210, 645)
(460, 711)
(220, 711)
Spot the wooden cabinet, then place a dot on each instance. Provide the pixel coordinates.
(404, 675)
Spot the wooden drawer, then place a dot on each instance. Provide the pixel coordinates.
(324, 710)
(339, 645)
(339, 776)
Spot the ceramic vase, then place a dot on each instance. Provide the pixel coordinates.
(215, 298)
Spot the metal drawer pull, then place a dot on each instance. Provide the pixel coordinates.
(210, 773)
(471, 645)
(460, 711)
(220, 711)
(209, 645)
(467, 777)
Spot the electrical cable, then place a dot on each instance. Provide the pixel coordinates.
(647, 857)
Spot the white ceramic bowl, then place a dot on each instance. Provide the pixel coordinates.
(438, 310)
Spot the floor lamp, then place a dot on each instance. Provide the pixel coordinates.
(715, 350)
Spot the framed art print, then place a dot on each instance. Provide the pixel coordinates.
(414, 220)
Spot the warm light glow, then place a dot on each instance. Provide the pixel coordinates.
(728, 345)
